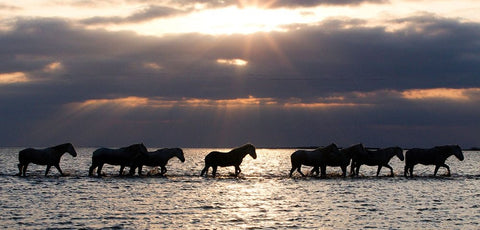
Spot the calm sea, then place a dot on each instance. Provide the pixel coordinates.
(263, 197)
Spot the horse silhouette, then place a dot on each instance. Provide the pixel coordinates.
(310, 158)
(160, 158)
(341, 159)
(48, 156)
(232, 158)
(126, 156)
(379, 158)
(433, 156)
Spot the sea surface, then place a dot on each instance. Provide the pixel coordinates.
(263, 197)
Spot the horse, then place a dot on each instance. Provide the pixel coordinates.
(126, 156)
(341, 159)
(232, 158)
(310, 158)
(48, 156)
(433, 156)
(160, 158)
(379, 158)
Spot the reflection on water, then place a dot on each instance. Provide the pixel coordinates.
(262, 197)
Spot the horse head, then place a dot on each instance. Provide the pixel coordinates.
(457, 151)
(71, 150)
(355, 149)
(332, 148)
(250, 150)
(179, 154)
(65, 148)
(399, 153)
(137, 149)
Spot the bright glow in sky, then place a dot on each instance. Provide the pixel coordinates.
(232, 19)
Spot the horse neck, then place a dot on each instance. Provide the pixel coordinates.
(60, 150)
(446, 151)
(171, 154)
(59, 153)
(241, 152)
(390, 153)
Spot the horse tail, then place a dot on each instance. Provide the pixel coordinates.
(294, 159)
(22, 156)
(408, 157)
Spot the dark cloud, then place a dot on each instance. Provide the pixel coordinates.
(337, 61)
(149, 13)
(312, 3)
(278, 3)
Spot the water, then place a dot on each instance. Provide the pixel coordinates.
(263, 197)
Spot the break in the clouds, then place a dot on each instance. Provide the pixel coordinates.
(408, 81)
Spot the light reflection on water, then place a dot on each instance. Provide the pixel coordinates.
(262, 197)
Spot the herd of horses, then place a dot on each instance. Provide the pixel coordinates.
(136, 156)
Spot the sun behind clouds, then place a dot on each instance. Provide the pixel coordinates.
(229, 20)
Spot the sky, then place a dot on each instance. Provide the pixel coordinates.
(221, 73)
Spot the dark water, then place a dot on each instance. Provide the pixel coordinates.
(262, 198)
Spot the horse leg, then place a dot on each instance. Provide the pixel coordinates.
(99, 170)
(314, 169)
(300, 171)
(448, 169)
(48, 169)
(291, 171)
(131, 172)
(379, 168)
(411, 171)
(237, 170)
(344, 171)
(391, 169)
(140, 170)
(442, 165)
(25, 169)
(323, 171)
(357, 169)
(163, 170)
(20, 166)
(122, 167)
(90, 170)
(58, 168)
(205, 170)
(214, 170)
(352, 168)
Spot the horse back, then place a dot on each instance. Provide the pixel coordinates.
(372, 158)
(222, 159)
(113, 156)
(304, 157)
(31, 155)
(153, 159)
(422, 156)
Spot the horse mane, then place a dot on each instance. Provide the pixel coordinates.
(359, 145)
(245, 146)
(132, 147)
(62, 146)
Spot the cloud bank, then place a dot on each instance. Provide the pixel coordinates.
(339, 80)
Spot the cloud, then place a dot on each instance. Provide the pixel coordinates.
(308, 86)
(8, 7)
(279, 3)
(313, 3)
(150, 12)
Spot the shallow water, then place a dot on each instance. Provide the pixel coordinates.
(263, 197)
